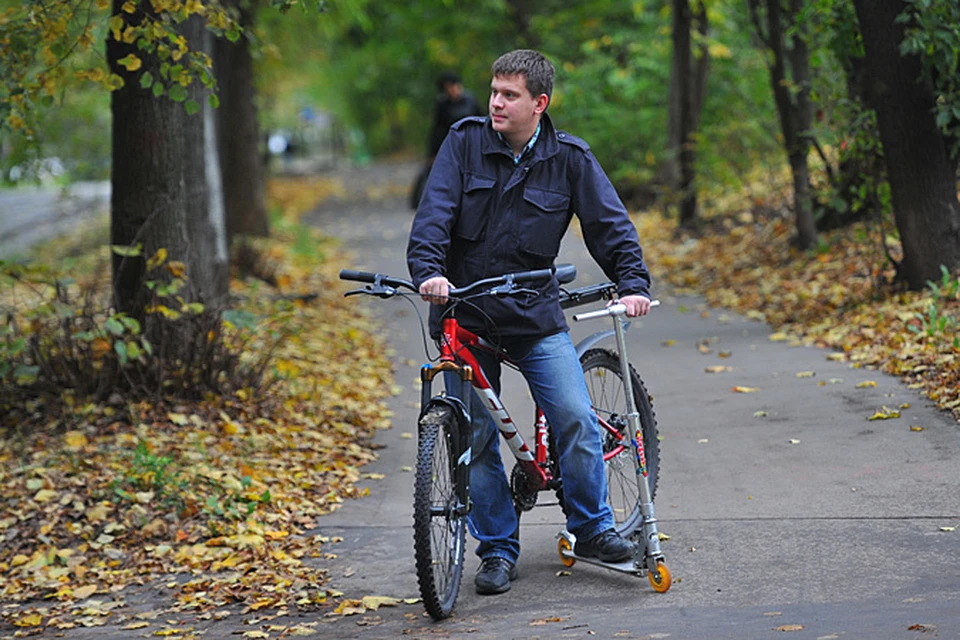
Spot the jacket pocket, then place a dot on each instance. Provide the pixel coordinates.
(546, 215)
(478, 200)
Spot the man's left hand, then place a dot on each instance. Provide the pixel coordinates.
(637, 306)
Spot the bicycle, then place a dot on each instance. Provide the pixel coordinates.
(441, 487)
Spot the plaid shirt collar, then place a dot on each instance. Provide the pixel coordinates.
(526, 149)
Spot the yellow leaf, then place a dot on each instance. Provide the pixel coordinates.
(805, 374)
(158, 259)
(790, 627)
(129, 6)
(44, 495)
(177, 418)
(131, 62)
(669, 343)
(739, 389)
(865, 384)
(948, 529)
(885, 413)
(177, 269)
(136, 625)
(75, 439)
(779, 337)
(30, 620)
(375, 602)
(82, 593)
(916, 427)
(718, 368)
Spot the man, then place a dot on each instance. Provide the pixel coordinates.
(499, 199)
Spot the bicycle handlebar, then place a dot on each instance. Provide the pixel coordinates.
(618, 309)
(386, 286)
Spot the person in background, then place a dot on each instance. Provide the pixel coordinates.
(453, 103)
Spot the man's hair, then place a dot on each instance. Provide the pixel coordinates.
(537, 70)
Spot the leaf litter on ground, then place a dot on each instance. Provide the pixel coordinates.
(216, 498)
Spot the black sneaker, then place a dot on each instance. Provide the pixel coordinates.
(608, 546)
(494, 576)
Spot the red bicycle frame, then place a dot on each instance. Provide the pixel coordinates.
(455, 356)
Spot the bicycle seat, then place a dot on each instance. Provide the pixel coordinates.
(566, 273)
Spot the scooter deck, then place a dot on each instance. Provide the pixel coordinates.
(627, 566)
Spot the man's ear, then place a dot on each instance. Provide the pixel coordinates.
(541, 104)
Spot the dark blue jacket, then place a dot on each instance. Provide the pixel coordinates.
(482, 216)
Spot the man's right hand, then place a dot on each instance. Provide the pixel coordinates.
(435, 290)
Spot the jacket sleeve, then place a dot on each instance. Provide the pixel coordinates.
(433, 223)
(608, 231)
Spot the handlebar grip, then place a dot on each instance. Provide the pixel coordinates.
(357, 276)
(618, 309)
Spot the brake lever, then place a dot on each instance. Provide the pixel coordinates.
(381, 291)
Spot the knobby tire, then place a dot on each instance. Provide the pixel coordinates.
(439, 522)
(601, 369)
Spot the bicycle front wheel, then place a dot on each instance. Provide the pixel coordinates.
(439, 517)
(601, 369)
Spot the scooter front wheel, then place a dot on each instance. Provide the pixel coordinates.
(660, 579)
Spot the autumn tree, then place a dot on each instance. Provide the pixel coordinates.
(238, 128)
(783, 36)
(687, 88)
(918, 135)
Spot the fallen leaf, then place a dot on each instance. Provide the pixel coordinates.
(375, 602)
(865, 384)
(739, 389)
(790, 627)
(669, 343)
(805, 374)
(916, 427)
(948, 529)
(543, 621)
(759, 414)
(135, 625)
(794, 441)
(718, 368)
(885, 413)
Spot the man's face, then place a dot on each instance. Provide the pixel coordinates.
(512, 109)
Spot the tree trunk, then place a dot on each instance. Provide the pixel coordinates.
(923, 182)
(207, 258)
(159, 198)
(794, 112)
(669, 172)
(238, 133)
(682, 22)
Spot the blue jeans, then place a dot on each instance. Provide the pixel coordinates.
(552, 370)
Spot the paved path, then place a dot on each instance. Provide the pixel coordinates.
(29, 215)
(807, 515)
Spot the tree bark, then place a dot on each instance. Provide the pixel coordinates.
(238, 133)
(669, 171)
(682, 23)
(795, 112)
(159, 196)
(923, 182)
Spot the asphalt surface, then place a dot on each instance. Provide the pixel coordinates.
(29, 215)
(787, 510)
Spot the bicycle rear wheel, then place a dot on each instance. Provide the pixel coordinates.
(601, 369)
(439, 517)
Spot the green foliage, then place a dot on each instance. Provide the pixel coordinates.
(149, 472)
(933, 35)
(939, 325)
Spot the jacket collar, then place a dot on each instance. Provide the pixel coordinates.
(547, 144)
